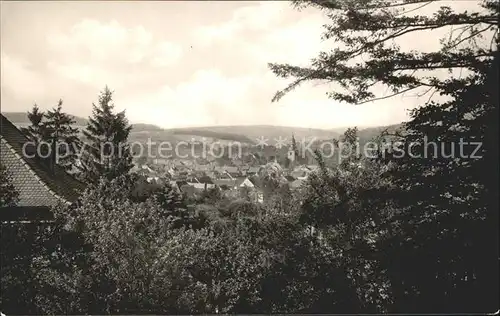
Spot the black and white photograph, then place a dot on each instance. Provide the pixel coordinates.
(321, 157)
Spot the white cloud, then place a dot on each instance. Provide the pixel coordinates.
(296, 43)
(206, 98)
(93, 52)
(260, 16)
(22, 85)
(130, 60)
(18, 78)
(83, 73)
(166, 54)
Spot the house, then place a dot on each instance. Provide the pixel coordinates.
(40, 183)
(144, 171)
(243, 182)
(299, 174)
(219, 170)
(234, 172)
(222, 173)
(160, 161)
(206, 179)
(210, 174)
(201, 183)
(225, 183)
(204, 168)
(249, 187)
(197, 174)
(252, 171)
(257, 189)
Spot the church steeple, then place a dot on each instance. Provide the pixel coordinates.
(293, 153)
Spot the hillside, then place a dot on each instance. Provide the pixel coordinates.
(369, 133)
(21, 118)
(244, 134)
(252, 132)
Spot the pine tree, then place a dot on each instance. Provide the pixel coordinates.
(107, 153)
(35, 131)
(445, 209)
(450, 197)
(58, 131)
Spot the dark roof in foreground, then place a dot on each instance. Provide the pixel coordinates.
(37, 183)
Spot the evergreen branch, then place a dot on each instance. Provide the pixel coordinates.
(388, 96)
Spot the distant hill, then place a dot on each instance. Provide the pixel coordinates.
(244, 134)
(206, 133)
(21, 118)
(369, 133)
(253, 132)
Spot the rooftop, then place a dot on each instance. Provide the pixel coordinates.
(37, 182)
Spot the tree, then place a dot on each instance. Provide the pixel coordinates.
(211, 196)
(62, 137)
(174, 206)
(118, 263)
(337, 208)
(271, 177)
(35, 131)
(442, 206)
(9, 195)
(367, 57)
(107, 153)
(448, 200)
(131, 259)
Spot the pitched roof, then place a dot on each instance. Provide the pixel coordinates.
(240, 181)
(181, 183)
(201, 185)
(221, 182)
(253, 169)
(205, 179)
(231, 169)
(192, 180)
(204, 167)
(34, 173)
(298, 173)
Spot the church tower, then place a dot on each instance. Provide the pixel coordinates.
(293, 154)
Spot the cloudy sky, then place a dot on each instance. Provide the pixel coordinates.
(174, 64)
